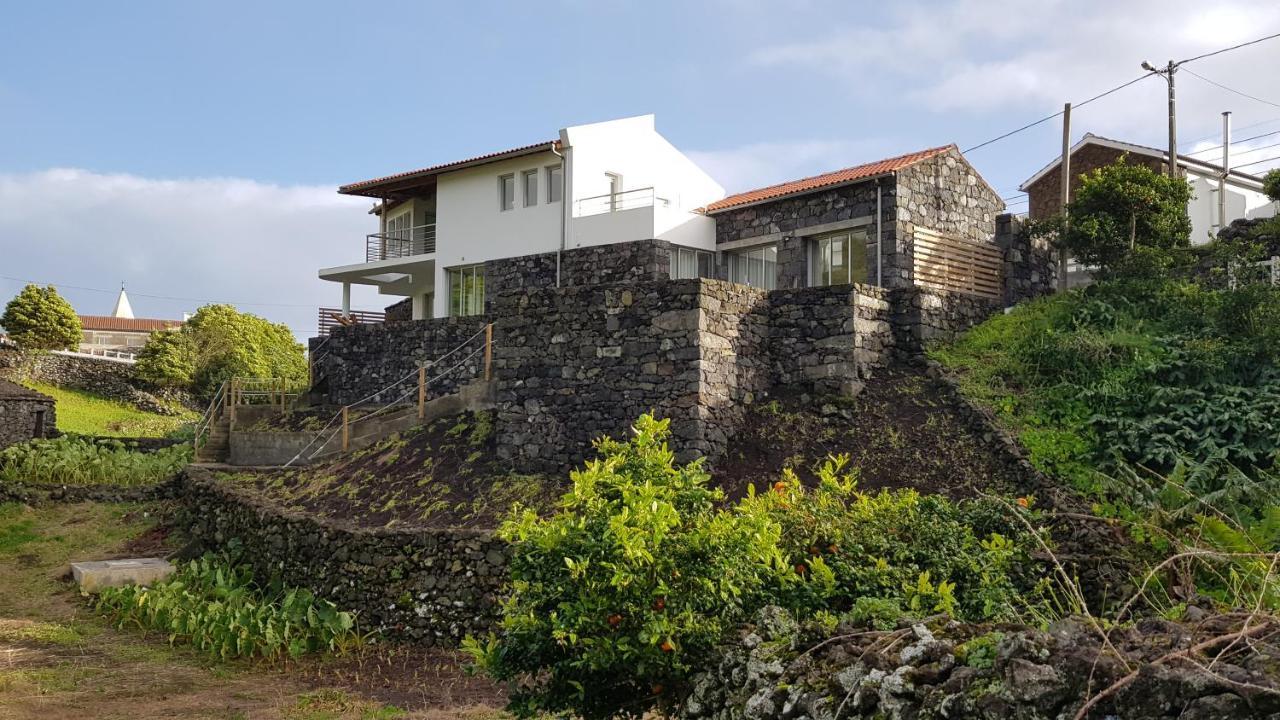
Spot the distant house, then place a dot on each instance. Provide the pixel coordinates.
(119, 332)
(24, 414)
(1245, 198)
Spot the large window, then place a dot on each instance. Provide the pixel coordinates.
(466, 290)
(757, 267)
(507, 192)
(555, 183)
(838, 259)
(688, 263)
(529, 179)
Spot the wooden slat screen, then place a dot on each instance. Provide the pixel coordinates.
(947, 263)
(329, 318)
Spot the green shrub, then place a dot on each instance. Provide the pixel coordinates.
(623, 593)
(215, 606)
(40, 319)
(72, 460)
(628, 586)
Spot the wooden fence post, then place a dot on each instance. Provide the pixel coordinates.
(488, 351)
(422, 393)
(346, 431)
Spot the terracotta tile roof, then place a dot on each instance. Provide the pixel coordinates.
(838, 177)
(365, 186)
(106, 322)
(14, 391)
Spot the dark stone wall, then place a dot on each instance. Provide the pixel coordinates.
(360, 360)
(399, 312)
(1030, 265)
(829, 339)
(19, 408)
(923, 316)
(423, 585)
(638, 261)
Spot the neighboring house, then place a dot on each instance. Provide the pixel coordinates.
(611, 187)
(614, 201)
(24, 414)
(119, 332)
(1245, 198)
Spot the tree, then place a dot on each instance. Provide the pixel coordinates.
(220, 342)
(39, 318)
(1123, 217)
(1271, 184)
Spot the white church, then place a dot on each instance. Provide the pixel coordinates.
(120, 332)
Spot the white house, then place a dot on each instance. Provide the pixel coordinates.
(607, 183)
(1245, 198)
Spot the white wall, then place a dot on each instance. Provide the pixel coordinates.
(632, 148)
(1203, 208)
(471, 227)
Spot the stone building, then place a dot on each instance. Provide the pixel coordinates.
(24, 414)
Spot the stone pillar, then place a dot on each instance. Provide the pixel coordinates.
(793, 266)
(1030, 265)
(346, 299)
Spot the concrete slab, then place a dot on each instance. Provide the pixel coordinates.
(98, 574)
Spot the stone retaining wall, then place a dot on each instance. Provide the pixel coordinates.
(423, 585)
(359, 360)
(627, 262)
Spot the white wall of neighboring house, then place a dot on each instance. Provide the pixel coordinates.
(1242, 202)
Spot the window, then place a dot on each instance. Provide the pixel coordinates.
(530, 181)
(757, 267)
(507, 192)
(396, 241)
(839, 259)
(466, 290)
(615, 188)
(555, 183)
(688, 263)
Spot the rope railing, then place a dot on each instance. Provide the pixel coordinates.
(328, 433)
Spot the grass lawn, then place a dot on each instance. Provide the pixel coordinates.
(88, 414)
(60, 659)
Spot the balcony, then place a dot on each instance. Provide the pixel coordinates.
(619, 201)
(400, 243)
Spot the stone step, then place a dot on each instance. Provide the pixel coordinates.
(93, 576)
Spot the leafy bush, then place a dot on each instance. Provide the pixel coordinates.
(1140, 374)
(40, 319)
(215, 605)
(923, 553)
(218, 343)
(617, 598)
(71, 460)
(628, 586)
(1271, 184)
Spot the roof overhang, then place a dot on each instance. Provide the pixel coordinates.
(401, 185)
(380, 272)
(1235, 177)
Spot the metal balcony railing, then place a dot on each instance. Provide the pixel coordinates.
(331, 318)
(404, 242)
(614, 202)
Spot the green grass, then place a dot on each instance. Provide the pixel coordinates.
(88, 414)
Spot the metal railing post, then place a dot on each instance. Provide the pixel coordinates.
(346, 430)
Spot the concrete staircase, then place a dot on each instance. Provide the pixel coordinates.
(217, 443)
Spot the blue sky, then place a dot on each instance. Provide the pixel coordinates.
(191, 149)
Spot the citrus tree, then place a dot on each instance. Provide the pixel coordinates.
(40, 319)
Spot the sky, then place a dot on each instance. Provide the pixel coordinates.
(191, 150)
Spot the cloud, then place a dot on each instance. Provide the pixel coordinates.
(205, 239)
(987, 57)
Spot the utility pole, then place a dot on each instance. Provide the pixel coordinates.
(1065, 173)
(1167, 73)
(1226, 168)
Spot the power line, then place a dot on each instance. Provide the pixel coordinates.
(153, 297)
(1243, 127)
(1233, 47)
(1236, 142)
(1256, 162)
(1099, 96)
(1047, 118)
(1231, 89)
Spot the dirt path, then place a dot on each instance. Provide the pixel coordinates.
(60, 660)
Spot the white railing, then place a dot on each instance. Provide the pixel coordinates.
(404, 242)
(104, 353)
(615, 202)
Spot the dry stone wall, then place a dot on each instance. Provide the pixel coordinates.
(24, 414)
(362, 360)
(423, 585)
(628, 262)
